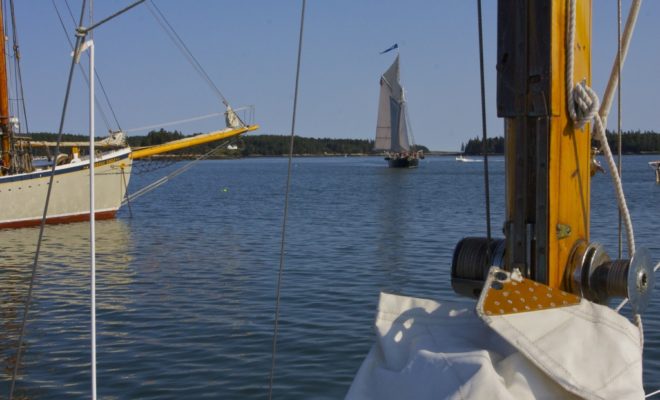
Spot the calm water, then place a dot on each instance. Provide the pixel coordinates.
(186, 284)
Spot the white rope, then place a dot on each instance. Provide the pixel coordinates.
(181, 121)
(652, 394)
(583, 105)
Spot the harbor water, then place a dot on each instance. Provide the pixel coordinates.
(186, 276)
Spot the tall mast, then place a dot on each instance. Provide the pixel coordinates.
(4, 104)
(548, 163)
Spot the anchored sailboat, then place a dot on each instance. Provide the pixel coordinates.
(392, 128)
(24, 185)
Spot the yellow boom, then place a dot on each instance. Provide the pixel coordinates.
(190, 142)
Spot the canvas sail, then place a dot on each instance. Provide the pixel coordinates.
(391, 128)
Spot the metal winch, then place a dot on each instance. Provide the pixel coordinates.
(473, 257)
(590, 272)
(593, 275)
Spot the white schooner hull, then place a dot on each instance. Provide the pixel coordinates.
(23, 195)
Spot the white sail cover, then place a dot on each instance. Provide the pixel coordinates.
(431, 350)
(391, 128)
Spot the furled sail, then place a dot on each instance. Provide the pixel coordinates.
(391, 129)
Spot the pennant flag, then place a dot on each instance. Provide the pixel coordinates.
(395, 46)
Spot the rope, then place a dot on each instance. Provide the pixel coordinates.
(485, 133)
(181, 121)
(33, 274)
(167, 177)
(618, 113)
(84, 30)
(286, 206)
(181, 45)
(652, 394)
(583, 105)
(98, 77)
(80, 66)
(19, 76)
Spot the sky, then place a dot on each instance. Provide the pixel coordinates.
(249, 48)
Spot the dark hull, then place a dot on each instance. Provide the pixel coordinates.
(408, 162)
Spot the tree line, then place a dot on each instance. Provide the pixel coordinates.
(632, 142)
(247, 145)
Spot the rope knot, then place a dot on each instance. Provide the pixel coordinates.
(583, 104)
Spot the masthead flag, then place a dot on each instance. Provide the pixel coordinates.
(395, 46)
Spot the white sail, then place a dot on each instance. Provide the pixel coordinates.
(391, 128)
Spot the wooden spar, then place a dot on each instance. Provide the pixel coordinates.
(548, 166)
(5, 143)
(189, 142)
(547, 159)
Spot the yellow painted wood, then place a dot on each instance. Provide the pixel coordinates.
(190, 142)
(569, 158)
(506, 295)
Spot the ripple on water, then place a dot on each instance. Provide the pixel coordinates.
(186, 286)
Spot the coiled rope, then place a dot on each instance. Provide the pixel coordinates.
(583, 107)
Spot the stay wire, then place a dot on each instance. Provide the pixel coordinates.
(618, 114)
(96, 74)
(286, 206)
(42, 226)
(484, 144)
(181, 45)
(17, 61)
(82, 69)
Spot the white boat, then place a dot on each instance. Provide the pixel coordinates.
(461, 158)
(24, 184)
(23, 194)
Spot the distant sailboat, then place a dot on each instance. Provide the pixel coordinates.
(392, 128)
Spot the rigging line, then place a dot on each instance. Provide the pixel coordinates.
(82, 69)
(17, 55)
(100, 82)
(484, 145)
(144, 190)
(618, 113)
(13, 101)
(181, 121)
(84, 30)
(185, 49)
(43, 218)
(286, 206)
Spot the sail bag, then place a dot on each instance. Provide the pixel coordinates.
(430, 350)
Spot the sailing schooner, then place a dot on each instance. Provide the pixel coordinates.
(24, 185)
(392, 127)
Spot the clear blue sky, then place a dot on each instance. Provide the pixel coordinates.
(249, 50)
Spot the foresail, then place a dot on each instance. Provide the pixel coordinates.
(383, 127)
(403, 143)
(388, 131)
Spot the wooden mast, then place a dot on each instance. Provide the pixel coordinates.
(4, 104)
(547, 159)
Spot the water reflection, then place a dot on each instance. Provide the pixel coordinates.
(60, 307)
(394, 222)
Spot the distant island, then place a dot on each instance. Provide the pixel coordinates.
(247, 145)
(632, 142)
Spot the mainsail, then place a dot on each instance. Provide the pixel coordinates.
(391, 130)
